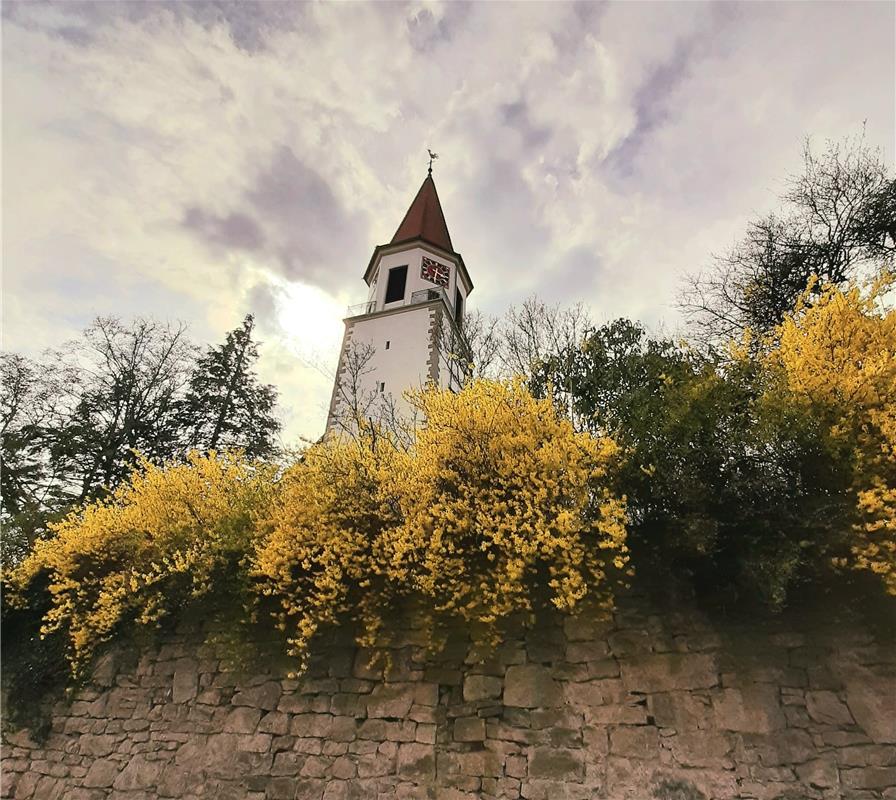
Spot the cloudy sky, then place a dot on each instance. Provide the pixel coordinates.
(197, 161)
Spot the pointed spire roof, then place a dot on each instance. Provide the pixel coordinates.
(424, 219)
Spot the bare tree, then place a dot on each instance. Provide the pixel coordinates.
(353, 400)
(838, 221)
(29, 478)
(482, 336)
(358, 406)
(847, 202)
(533, 334)
(121, 399)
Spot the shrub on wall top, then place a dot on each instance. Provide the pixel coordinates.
(167, 535)
(497, 501)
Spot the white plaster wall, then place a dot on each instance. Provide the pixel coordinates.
(404, 365)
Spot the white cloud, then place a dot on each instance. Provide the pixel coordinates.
(592, 152)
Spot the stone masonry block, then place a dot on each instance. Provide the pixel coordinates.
(826, 708)
(639, 741)
(469, 729)
(481, 687)
(390, 700)
(871, 698)
(667, 672)
(140, 773)
(266, 696)
(752, 709)
(416, 761)
(242, 720)
(531, 686)
(819, 773)
(186, 680)
(101, 773)
(701, 748)
(550, 763)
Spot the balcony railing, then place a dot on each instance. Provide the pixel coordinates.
(427, 295)
(360, 309)
(414, 299)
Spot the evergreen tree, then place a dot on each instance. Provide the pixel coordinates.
(226, 405)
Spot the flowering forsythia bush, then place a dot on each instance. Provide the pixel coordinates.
(320, 556)
(498, 492)
(160, 539)
(496, 503)
(496, 495)
(837, 360)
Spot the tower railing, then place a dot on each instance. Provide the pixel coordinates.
(360, 309)
(427, 295)
(413, 299)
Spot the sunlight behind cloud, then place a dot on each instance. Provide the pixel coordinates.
(311, 321)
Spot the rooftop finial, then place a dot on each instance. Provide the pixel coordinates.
(432, 157)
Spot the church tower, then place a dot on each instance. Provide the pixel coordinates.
(409, 333)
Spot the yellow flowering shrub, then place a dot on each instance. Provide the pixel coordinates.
(497, 500)
(157, 540)
(837, 358)
(496, 504)
(502, 499)
(319, 557)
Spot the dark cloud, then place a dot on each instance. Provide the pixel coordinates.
(250, 24)
(232, 231)
(261, 302)
(74, 27)
(289, 215)
(508, 246)
(513, 215)
(426, 32)
(315, 234)
(655, 99)
(579, 270)
(653, 107)
(516, 116)
(588, 15)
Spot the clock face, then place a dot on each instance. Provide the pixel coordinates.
(434, 272)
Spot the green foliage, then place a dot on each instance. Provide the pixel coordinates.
(35, 672)
(734, 492)
(72, 425)
(31, 492)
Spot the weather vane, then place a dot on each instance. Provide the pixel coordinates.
(432, 157)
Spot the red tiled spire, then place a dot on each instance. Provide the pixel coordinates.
(425, 219)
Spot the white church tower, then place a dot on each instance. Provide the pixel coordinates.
(409, 332)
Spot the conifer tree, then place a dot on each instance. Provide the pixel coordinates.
(226, 405)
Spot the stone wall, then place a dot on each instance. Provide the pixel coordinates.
(649, 705)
